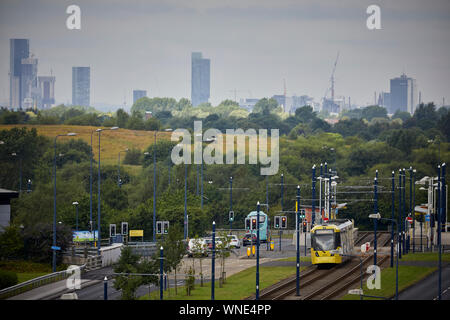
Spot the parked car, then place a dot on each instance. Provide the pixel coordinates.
(248, 239)
(208, 242)
(197, 246)
(234, 241)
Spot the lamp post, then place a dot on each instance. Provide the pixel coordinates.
(99, 190)
(54, 247)
(231, 202)
(213, 259)
(297, 284)
(392, 217)
(405, 249)
(441, 186)
(75, 203)
(282, 190)
(375, 210)
(377, 216)
(185, 201)
(119, 182)
(313, 206)
(257, 250)
(400, 218)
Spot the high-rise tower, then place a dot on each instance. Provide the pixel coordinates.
(200, 79)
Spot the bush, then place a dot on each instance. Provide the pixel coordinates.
(7, 279)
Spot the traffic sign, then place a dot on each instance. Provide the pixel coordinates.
(427, 217)
(56, 248)
(365, 247)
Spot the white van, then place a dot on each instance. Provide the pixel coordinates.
(197, 246)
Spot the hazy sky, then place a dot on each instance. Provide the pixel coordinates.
(253, 45)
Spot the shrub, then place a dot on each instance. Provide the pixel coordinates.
(7, 279)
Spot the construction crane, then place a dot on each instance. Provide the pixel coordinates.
(332, 80)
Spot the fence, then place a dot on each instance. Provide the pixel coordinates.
(36, 282)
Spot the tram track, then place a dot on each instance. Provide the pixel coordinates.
(324, 283)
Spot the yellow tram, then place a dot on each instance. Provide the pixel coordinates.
(329, 238)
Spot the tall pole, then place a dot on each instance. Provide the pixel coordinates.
(54, 248)
(54, 209)
(231, 201)
(118, 172)
(414, 208)
(201, 184)
(441, 207)
(282, 191)
(91, 222)
(257, 250)
(325, 175)
(399, 224)
(405, 249)
(297, 284)
(320, 192)
(185, 201)
(161, 272)
(213, 259)
(313, 206)
(267, 193)
(154, 189)
(375, 221)
(392, 217)
(99, 206)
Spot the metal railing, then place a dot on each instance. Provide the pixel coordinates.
(36, 282)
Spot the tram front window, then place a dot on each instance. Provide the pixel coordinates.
(323, 240)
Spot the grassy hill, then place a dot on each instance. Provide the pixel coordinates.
(111, 141)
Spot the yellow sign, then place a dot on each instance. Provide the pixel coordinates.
(136, 233)
(296, 206)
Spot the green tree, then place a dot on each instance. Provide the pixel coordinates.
(128, 284)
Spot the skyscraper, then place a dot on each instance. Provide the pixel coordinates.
(19, 50)
(403, 95)
(137, 94)
(47, 91)
(81, 86)
(200, 79)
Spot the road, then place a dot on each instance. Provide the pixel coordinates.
(236, 262)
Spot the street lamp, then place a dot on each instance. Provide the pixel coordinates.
(377, 216)
(75, 203)
(99, 189)
(54, 247)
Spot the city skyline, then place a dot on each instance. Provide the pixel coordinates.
(253, 46)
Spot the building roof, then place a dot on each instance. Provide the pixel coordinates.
(8, 194)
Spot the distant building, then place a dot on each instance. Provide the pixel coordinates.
(137, 94)
(200, 79)
(148, 115)
(47, 91)
(248, 103)
(19, 50)
(384, 100)
(330, 106)
(81, 86)
(403, 95)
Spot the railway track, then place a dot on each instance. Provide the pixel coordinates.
(323, 284)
